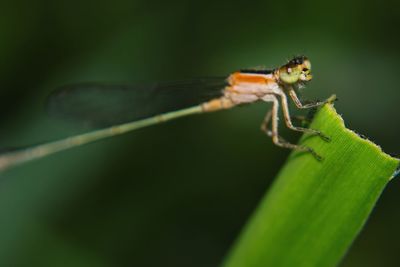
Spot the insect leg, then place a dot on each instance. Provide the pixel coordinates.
(264, 124)
(279, 141)
(289, 124)
(298, 103)
(266, 130)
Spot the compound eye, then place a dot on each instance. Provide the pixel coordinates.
(289, 75)
(305, 69)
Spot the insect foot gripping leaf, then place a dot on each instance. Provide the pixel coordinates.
(315, 210)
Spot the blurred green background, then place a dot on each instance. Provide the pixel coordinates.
(177, 194)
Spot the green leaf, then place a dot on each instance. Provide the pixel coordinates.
(315, 210)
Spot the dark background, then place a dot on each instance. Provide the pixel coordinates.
(177, 194)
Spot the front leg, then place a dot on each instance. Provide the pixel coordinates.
(289, 124)
(279, 141)
(298, 103)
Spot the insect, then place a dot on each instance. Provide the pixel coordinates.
(119, 109)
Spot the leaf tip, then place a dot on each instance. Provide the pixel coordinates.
(363, 139)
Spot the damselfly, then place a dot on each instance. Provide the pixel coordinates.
(120, 109)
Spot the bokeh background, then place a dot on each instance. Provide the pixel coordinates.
(177, 194)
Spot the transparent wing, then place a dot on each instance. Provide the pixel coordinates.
(102, 105)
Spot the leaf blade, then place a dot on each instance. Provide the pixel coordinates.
(315, 210)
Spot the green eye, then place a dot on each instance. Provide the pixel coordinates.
(291, 77)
